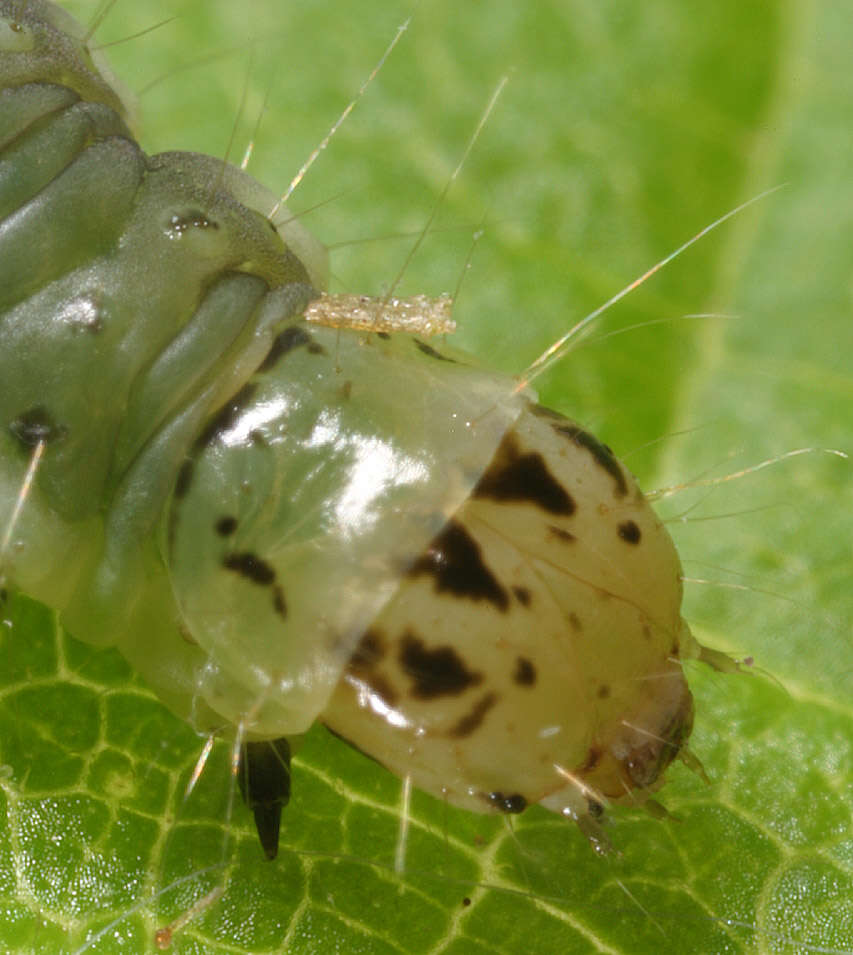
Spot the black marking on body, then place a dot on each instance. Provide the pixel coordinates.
(250, 566)
(604, 691)
(36, 426)
(523, 596)
(371, 650)
(509, 804)
(279, 602)
(184, 479)
(226, 417)
(514, 475)
(434, 672)
(455, 562)
(292, 337)
(629, 532)
(525, 672)
(363, 666)
(602, 455)
(472, 720)
(225, 526)
(575, 622)
(429, 351)
(257, 571)
(384, 335)
(315, 348)
(561, 535)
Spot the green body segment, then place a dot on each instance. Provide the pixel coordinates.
(136, 295)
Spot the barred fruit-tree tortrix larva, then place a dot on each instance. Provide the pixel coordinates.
(505, 625)
(128, 573)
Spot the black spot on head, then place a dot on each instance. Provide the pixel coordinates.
(36, 426)
(292, 337)
(250, 566)
(430, 351)
(508, 804)
(225, 526)
(525, 672)
(629, 532)
(514, 475)
(227, 416)
(472, 720)
(602, 455)
(434, 672)
(522, 595)
(455, 562)
(561, 535)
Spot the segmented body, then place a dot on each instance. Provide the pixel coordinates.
(278, 523)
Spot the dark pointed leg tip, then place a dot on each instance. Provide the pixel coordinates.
(268, 823)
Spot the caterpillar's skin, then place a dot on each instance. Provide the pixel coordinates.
(505, 620)
(205, 512)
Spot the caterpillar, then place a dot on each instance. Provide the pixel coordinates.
(704, 927)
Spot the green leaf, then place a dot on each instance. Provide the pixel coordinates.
(624, 130)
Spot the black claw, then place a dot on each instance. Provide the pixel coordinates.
(264, 777)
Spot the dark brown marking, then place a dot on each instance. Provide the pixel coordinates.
(226, 526)
(434, 672)
(602, 455)
(525, 672)
(514, 475)
(575, 621)
(250, 566)
(629, 532)
(473, 720)
(315, 348)
(466, 901)
(227, 416)
(292, 337)
(36, 426)
(455, 562)
(278, 601)
(603, 692)
(383, 335)
(430, 351)
(346, 390)
(522, 595)
(508, 804)
(593, 758)
(371, 650)
(559, 534)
